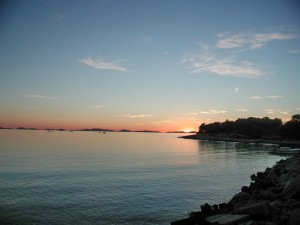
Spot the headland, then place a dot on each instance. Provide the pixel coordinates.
(272, 198)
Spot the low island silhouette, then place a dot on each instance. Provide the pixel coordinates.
(260, 130)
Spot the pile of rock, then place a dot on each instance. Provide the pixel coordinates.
(272, 198)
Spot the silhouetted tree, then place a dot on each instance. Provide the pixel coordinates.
(251, 127)
(291, 129)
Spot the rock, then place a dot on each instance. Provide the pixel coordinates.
(271, 223)
(206, 208)
(295, 217)
(260, 175)
(291, 188)
(275, 204)
(293, 164)
(195, 220)
(272, 176)
(266, 195)
(250, 222)
(260, 208)
(284, 178)
(227, 219)
(245, 189)
(239, 197)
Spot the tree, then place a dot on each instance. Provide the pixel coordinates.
(291, 129)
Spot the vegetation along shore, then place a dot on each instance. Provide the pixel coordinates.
(254, 130)
(273, 196)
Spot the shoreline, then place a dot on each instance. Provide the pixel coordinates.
(207, 137)
(272, 198)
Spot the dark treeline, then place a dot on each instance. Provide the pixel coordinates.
(256, 128)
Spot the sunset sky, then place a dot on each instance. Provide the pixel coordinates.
(158, 64)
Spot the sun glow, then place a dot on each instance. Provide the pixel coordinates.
(187, 130)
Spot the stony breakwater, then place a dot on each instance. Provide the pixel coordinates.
(272, 198)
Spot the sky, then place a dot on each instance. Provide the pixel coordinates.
(163, 65)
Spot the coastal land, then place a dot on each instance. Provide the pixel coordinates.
(238, 138)
(272, 198)
(252, 130)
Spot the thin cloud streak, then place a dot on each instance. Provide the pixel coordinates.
(242, 110)
(252, 41)
(207, 62)
(40, 97)
(97, 107)
(273, 97)
(255, 97)
(136, 116)
(213, 112)
(66, 119)
(103, 65)
(294, 51)
(237, 90)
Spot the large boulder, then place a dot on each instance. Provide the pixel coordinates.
(295, 217)
(293, 164)
(239, 197)
(255, 209)
(266, 195)
(291, 188)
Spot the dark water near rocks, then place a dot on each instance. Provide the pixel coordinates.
(118, 178)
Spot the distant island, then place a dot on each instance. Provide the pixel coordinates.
(90, 129)
(252, 130)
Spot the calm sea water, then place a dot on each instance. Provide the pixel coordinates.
(118, 178)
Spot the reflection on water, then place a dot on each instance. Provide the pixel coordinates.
(118, 178)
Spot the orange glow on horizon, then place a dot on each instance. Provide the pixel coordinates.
(89, 125)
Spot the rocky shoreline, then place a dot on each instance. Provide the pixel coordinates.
(272, 198)
(236, 138)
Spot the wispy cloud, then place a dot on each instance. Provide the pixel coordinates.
(294, 51)
(145, 39)
(226, 62)
(191, 114)
(58, 16)
(270, 111)
(68, 119)
(227, 66)
(20, 116)
(274, 111)
(40, 97)
(213, 111)
(273, 97)
(237, 89)
(162, 122)
(136, 116)
(284, 112)
(97, 106)
(250, 40)
(103, 65)
(242, 110)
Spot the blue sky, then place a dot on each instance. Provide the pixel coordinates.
(137, 64)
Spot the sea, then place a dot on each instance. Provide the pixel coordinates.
(116, 178)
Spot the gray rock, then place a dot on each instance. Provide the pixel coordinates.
(260, 208)
(250, 222)
(276, 204)
(291, 188)
(293, 164)
(295, 217)
(284, 178)
(239, 197)
(272, 175)
(267, 195)
(227, 219)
